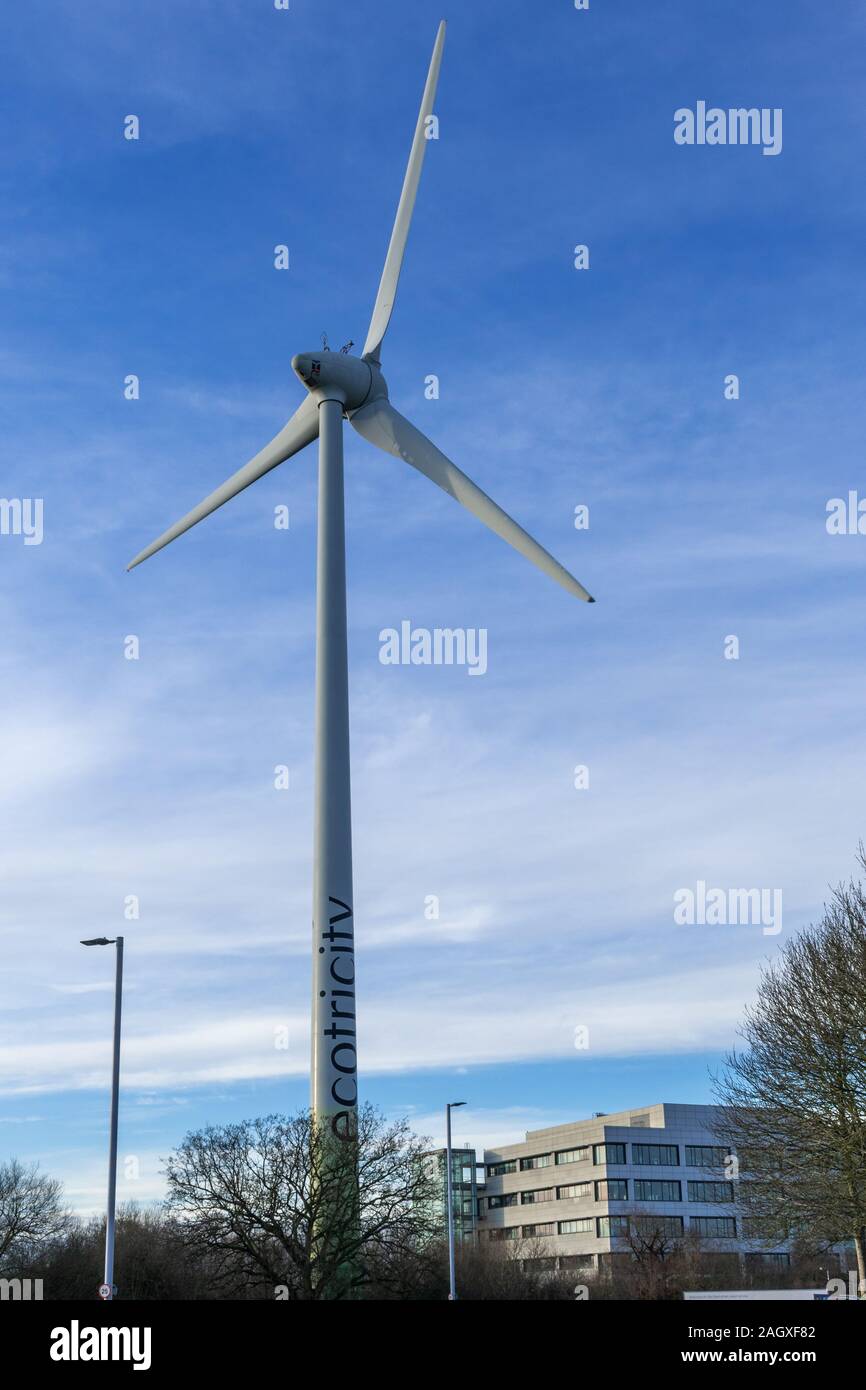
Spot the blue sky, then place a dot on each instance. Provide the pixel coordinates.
(603, 387)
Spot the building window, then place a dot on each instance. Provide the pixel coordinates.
(574, 1189)
(608, 1153)
(611, 1190)
(576, 1226)
(774, 1258)
(657, 1190)
(655, 1155)
(711, 1191)
(652, 1227)
(572, 1155)
(576, 1261)
(541, 1228)
(505, 1199)
(717, 1226)
(498, 1170)
(706, 1156)
(537, 1194)
(611, 1225)
(537, 1161)
(505, 1233)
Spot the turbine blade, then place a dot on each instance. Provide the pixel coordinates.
(300, 431)
(394, 260)
(385, 427)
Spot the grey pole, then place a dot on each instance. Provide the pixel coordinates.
(112, 1142)
(334, 1087)
(449, 1198)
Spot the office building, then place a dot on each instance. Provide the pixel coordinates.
(577, 1189)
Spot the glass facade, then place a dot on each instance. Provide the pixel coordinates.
(464, 1190)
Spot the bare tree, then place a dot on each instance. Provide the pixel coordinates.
(257, 1196)
(511, 1270)
(654, 1245)
(657, 1260)
(31, 1207)
(794, 1100)
(152, 1260)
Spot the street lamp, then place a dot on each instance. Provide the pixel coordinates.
(108, 1290)
(452, 1105)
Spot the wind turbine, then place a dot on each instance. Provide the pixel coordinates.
(342, 386)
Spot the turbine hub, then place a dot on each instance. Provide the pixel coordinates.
(339, 376)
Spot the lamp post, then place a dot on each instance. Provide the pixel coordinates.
(108, 1282)
(449, 1197)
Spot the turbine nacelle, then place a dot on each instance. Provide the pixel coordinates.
(339, 376)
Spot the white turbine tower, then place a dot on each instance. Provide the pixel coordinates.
(341, 387)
